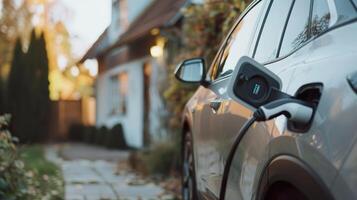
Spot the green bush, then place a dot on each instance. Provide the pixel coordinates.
(112, 139)
(46, 176)
(116, 139)
(101, 135)
(76, 132)
(162, 158)
(89, 134)
(19, 178)
(28, 91)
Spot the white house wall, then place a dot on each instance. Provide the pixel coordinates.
(157, 107)
(132, 121)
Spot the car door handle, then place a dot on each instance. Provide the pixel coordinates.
(215, 105)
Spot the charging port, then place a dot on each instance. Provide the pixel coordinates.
(310, 93)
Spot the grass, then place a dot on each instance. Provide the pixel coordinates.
(46, 175)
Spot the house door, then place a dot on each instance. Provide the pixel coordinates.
(147, 68)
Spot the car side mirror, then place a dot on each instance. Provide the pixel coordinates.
(252, 84)
(191, 71)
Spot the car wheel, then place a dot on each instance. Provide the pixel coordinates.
(188, 175)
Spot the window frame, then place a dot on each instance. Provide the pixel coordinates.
(283, 33)
(218, 58)
(279, 58)
(286, 26)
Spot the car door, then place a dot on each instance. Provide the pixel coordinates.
(321, 78)
(250, 159)
(253, 154)
(209, 142)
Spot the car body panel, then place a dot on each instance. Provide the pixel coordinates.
(333, 133)
(329, 148)
(210, 148)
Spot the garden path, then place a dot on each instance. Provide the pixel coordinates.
(92, 173)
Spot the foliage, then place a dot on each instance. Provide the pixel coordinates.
(113, 138)
(162, 158)
(203, 28)
(26, 175)
(46, 176)
(89, 134)
(2, 96)
(76, 132)
(102, 136)
(63, 85)
(17, 91)
(15, 22)
(28, 94)
(117, 138)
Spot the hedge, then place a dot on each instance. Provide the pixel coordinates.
(113, 138)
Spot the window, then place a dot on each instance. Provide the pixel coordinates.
(119, 93)
(355, 2)
(114, 100)
(237, 45)
(115, 12)
(272, 31)
(297, 30)
(320, 17)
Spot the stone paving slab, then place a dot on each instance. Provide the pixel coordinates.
(88, 191)
(95, 179)
(77, 151)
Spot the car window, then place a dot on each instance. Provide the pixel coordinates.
(355, 2)
(320, 17)
(297, 30)
(239, 42)
(270, 37)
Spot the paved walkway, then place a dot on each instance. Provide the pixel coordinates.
(91, 173)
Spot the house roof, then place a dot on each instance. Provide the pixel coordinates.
(158, 14)
(95, 48)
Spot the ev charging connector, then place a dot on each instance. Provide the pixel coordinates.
(256, 87)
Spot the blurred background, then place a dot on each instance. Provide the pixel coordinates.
(91, 76)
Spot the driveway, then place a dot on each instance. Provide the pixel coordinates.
(94, 173)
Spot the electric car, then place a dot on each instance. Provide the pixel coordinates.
(310, 48)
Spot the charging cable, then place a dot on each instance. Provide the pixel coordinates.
(294, 109)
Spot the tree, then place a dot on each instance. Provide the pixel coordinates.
(17, 93)
(15, 22)
(28, 91)
(203, 28)
(2, 101)
(38, 61)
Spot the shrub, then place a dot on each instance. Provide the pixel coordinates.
(162, 158)
(28, 90)
(45, 176)
(21, 180)
(89, 134)
(202, 30)
(101, 135)
(116, 139)
(76, 132)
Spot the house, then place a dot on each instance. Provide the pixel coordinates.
(130, 59)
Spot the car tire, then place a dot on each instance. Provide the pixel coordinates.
(189, 191)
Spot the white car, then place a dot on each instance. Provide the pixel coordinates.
(311, 46)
